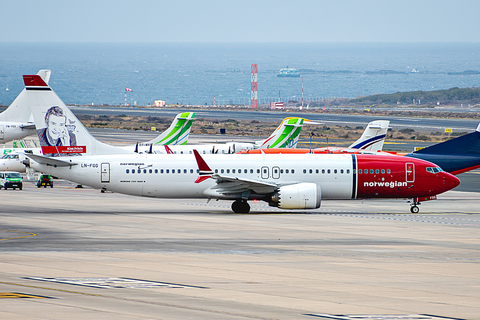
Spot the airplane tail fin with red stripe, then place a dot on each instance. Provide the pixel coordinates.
(59, 131)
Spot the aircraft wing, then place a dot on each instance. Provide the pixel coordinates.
(230, 185)
(51, 161)
(236, 185)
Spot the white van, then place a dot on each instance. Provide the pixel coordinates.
(10, 179)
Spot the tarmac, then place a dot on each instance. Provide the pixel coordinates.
(77, 253)
(81, 254)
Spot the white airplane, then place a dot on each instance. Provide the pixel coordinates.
(285, 136)
(177, 133)
(295, 181)
(16, 121)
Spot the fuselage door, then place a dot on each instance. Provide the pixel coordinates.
(410, 172)
(105, 167)
(276, 173)
(264, 172)
(1, 133)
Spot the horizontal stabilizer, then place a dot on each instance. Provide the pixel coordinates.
(51, 161)
(28, 126)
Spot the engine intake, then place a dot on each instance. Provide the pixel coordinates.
(305, 195)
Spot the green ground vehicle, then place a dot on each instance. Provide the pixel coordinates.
(45, 180)
(10, 179)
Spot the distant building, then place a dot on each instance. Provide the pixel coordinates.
(276, 105)
(159, 103)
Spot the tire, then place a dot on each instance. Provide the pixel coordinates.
(236, 206)
(245, 207)
(240, 206)
(414, 209)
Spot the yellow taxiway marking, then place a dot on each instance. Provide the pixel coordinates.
(29, 234)
(14, 295)
(141, 301)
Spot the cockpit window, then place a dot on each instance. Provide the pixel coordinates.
(434, 169)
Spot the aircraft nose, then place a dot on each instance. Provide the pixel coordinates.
(449, 181)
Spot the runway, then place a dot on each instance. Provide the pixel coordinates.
(79, 253)
(418, 124)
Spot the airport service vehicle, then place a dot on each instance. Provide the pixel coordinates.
(16, 121)
(45, 180)
(293, 181)
(10, 179)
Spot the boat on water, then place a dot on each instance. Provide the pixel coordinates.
(288, 72)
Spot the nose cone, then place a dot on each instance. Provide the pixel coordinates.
(449, 181)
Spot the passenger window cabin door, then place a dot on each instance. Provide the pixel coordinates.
(105, 172)
(264, 172)
(276, 173)
(410, 172)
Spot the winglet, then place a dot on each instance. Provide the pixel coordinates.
(168, 149)
(204, 170)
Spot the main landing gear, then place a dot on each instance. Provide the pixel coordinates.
(240, 206)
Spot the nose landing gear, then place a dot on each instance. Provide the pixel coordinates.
(240, 206)
(414, 206)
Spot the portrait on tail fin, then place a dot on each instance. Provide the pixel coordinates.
(57, 136)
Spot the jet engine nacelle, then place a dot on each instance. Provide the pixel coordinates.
(305, 195)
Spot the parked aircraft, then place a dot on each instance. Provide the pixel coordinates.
(176, 134)
(286, 181)
(284, 137)
(372, 138)
(16, 121)
(456, 156)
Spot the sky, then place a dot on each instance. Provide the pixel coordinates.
(240, 21)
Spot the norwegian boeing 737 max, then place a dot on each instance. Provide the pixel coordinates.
(294, 181)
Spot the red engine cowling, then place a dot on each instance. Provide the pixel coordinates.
(305, 195)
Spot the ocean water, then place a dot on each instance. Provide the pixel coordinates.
(199, 73)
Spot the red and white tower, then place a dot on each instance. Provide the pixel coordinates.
(127, 90)
(254, 103)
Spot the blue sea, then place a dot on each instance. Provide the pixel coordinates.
(199, 73)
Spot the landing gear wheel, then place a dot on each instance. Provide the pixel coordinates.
(240, 206)
(414, 209)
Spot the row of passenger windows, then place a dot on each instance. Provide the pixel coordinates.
(245, 171)
(161, 171)
(377, 171)
(328, 171)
